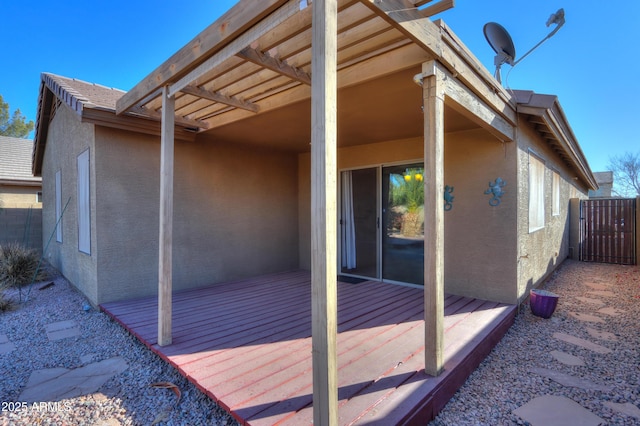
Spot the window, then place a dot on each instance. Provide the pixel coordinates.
(84, 208)
(39, 197)
(536, 193)
(58, 206)
(555, 208)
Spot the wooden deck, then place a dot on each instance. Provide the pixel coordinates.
(247, 345)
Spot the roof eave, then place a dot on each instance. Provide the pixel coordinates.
(549, 110)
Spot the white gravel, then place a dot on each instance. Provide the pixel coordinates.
(504, 382)
(126, 399)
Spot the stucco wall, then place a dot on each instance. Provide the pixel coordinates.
(67, 138)
(541, 251)
(235, 213)
(480, 240)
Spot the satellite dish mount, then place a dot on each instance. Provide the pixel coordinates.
(501, 42)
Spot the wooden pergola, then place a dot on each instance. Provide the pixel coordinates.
(265, 54)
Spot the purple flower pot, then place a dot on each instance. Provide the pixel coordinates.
(542, 302)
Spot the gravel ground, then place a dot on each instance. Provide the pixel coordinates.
(126, 399)
(503, 382)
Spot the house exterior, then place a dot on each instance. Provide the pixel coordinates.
(605, 185)
(20, 194)
(248, 152)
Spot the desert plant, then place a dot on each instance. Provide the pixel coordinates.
(5, 304)
(19, 266)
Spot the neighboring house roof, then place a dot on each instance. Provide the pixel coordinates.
(15, 162)
(604, 178)
(547, 116)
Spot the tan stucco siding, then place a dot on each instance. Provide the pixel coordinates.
(235, 213)
(348, 157)
(67, 138)
(15, 196)
(480, 239)
(541, 251)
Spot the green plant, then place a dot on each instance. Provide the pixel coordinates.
(19, 266)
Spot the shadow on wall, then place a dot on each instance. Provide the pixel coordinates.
(21, 225)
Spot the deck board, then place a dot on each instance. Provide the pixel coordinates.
(247, 345)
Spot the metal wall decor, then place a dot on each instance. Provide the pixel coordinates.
(495, 189)
(448, 198)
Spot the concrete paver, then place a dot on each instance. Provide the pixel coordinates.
(586, 317)
(551, 410)
(62, 329)
(6, 345)
(590, 300)
(569, 380)
(628, 409)
(567, 359)
(582, 343)
(55, 384)
(602, 335)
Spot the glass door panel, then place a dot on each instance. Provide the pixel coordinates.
(403, 223)
(359, 223)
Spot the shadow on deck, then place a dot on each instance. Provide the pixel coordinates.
(247, 345)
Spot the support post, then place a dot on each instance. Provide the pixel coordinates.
(165, 267)
(433, 101)
(323, 212)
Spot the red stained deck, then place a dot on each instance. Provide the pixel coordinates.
(247, 345)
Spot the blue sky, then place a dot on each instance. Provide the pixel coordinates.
(592, 64)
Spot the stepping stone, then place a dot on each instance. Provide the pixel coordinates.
(582, 343)
(589, 300)
(586, 317)
(598, 286)
(550, 410)
(62, 330)
(55, 384)
(629, 409)
(602, 335)
(567, 359)
(569, 380)
(6, 345)
(611, 311)
(603, 293)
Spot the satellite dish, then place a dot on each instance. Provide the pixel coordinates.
(501, 42)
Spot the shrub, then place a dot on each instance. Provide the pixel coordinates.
(18, 266)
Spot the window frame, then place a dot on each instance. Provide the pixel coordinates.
(555, 194)
(84, 202)
(537, 211)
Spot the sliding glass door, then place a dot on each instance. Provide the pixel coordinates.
(403, 218)
(382, 223)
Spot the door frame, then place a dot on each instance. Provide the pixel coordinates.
(378, 167)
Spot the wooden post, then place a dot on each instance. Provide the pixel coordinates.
(165, 269)
(433, 101)
(323, 212)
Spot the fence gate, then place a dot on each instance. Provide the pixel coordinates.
(608, 231)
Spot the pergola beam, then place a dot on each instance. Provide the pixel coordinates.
(267, 61)
(165, 258)
(219, 97)
(244, 15)
(287, 10)
(157, 116)
(433, 101)
(323, 212)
